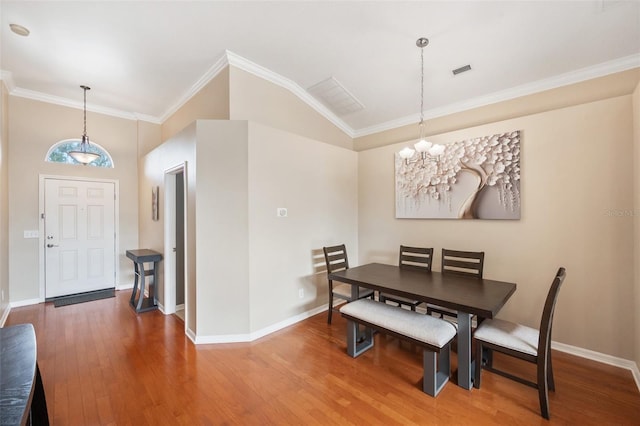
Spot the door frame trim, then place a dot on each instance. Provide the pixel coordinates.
(169, 229)
(169, 232)
(41, 238)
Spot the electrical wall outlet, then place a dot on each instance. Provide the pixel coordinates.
(301, 293)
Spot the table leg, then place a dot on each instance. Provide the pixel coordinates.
(155, 284)
(465, 366)
(135, 284)
(360, 332)
(142, 281)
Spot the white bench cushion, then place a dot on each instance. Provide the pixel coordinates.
(433, 331)
(508, 334)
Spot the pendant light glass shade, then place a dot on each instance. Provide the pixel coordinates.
(84, 156)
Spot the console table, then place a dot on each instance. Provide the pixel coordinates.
(22, 399)
(140, 257)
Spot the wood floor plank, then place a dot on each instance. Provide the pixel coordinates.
(102, 364)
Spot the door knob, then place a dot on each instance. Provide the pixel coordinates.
(52, 245)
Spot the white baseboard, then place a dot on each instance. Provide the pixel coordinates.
(191, 335)
(26, 302)
(5, 315)
(124, 286)
(250, 337)
(600, 357)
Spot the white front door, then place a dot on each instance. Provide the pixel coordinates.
(79, 236)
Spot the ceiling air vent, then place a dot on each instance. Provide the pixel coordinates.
(461, 69)
(335, 97)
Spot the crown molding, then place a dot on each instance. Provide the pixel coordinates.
(272, 77)
(588, 73)
(230, 58)
(58, 100)
(211, 73)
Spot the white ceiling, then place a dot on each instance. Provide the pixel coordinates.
(145, 58)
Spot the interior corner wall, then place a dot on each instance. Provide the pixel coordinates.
(577, 205)
(149, 137)
(317, 183)
(222, 245)
(4, 204)
(210, 102)
(257, 100)
(636, 218)
(177, 150)
(34, 127)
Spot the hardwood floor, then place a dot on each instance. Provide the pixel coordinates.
(102, 364)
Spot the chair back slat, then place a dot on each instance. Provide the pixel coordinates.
(544, 339)
(469, 263)
(420, 258)
(336, 258)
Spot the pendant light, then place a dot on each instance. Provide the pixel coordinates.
(427, 151)
(83, 156)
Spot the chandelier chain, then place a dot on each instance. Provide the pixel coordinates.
(421, 92)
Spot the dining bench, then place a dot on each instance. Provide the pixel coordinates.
(434, 335)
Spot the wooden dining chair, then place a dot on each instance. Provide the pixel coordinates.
(416, 258)
(468, 263)
(336, 259)
(523, 342)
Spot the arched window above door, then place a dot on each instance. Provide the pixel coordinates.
(59, 153)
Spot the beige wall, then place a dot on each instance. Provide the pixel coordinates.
(255, 99)
(149, 137)
(33, 127)
(180, 149)
(211, 102)
(222, 240)
(4, 204)
(317, 183)
(577, 172)
(636, 216)
(242, 251)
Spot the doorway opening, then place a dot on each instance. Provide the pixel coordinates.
(175, 278)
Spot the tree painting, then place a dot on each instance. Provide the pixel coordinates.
(491, 165)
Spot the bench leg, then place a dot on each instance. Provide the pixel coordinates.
(355, 348)
(437, 369)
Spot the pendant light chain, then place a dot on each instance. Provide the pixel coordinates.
(83, 155)
(85, 111)
(421, 92)
(422, 42)
(85, 138)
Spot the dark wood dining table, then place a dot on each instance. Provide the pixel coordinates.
(468, 296)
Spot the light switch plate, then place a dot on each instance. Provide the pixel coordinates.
(31, 234)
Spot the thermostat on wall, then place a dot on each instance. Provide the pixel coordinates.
(281, 212)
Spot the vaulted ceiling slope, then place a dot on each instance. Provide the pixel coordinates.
(144, 59)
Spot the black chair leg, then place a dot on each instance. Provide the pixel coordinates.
(550, 381)
(330, 306)
(543, 390)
